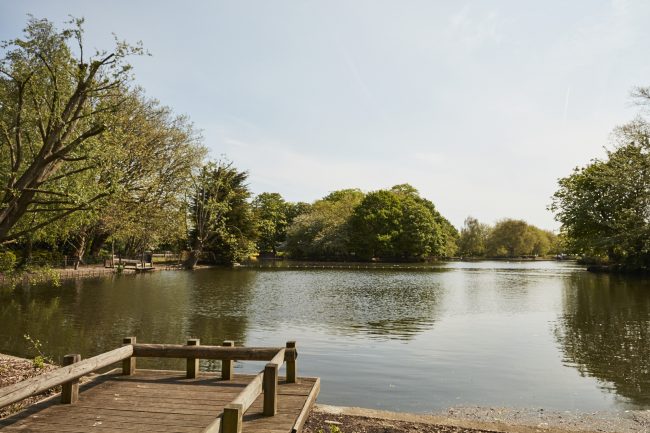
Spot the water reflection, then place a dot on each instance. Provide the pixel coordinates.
(604, 332)
(467, 333)
(377, 304)
(93, 315)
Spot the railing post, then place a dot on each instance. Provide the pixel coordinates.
(227, 370)
(270, 387)
(193, 363)
(291, 363)
(232, 418)
(70, 390)
(128, 365)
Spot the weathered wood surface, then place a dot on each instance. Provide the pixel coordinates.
(211, 352)
(161, 401)
(35, 385)
(250, 393)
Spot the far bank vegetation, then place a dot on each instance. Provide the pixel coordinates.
(91, 166)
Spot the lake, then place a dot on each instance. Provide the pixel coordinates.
(519, 334)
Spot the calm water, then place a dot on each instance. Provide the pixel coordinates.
(539, 334)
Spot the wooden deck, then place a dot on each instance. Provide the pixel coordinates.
(164, 401)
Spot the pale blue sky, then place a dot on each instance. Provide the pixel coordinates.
(480, 105)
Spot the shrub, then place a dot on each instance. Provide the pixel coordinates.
(7, 261)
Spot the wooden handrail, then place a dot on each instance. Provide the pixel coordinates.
(35, 385)
(250, 393)
(266, 380)
(279, 358)
(211, 352)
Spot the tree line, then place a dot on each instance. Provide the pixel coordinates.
(507, 238)
(92, 165)
(604, 207)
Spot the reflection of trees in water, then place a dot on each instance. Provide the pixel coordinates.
(384, 308)
(219, 306)
(20, 315)
(380, 304)
(605, 332)
(92, 316)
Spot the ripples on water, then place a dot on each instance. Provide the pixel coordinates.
(534, 334)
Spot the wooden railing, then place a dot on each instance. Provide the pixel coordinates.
(230, 421)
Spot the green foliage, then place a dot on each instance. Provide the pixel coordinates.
(399, 224)
(333, 428)
(223, 223)
(7, 261)
(35, 346)
(55, 106)
(604, 207)
(388, 224)
(272, 216)
(516, 238)
(322, 230)
(87, 155)
(473, 238)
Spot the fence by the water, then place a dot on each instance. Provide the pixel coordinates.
(153, 400)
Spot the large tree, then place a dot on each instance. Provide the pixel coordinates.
(604, 207)
(272, 216)
(517, 238)
(473, 238)
(399, 224)
(223, 228)
(321, 230)
(53, 98)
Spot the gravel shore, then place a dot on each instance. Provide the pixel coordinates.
(475, 420)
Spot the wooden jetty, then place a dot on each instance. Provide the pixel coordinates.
(132, 400)
(143, 264)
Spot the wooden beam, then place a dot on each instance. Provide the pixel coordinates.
(128, 365)
(70, 390)
(250, 393)
(306, 409)
(35, 385)
(227, 365)
(214, 427)
(209, 352)
(278, 359)
(193, 363)
(232, 419)
(271, 389)
(291, 362)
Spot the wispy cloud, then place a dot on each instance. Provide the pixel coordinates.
(473, 28)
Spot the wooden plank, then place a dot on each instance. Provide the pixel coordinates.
(231, 420)
(271, 387)
(250, 393)
(292, 376)
(128, 365)
(311, 399)
(70, 390)
(16, 392)
(132, 424)
(278, 359)
(193, 363)
(165, 401)
(209, 352)
(213, 427)
(228, 365)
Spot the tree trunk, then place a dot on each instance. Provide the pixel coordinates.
(80, 249)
